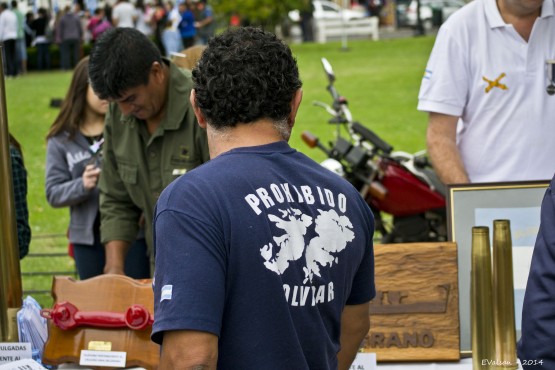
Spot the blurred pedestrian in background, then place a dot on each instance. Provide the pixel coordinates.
(307, 20)
(29, 34)
(69, 35)
(98, 24)
(124, 14)
(186, 26)
(158, 23)
(144, 17)
(171, 38)
(204, 22)
(8, 37)
(20, 48)
(43, 38)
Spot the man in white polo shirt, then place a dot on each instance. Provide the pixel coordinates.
(491, 118)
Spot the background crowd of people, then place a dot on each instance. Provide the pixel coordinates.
(72, 166)
(173, 26)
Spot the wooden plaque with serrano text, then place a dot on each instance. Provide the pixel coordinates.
(415, 315)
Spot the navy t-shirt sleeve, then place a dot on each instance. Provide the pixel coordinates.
(535, 348)
(189, 277)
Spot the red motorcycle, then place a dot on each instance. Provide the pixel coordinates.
(403, 190)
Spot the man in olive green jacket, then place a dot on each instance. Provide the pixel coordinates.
(151, 135)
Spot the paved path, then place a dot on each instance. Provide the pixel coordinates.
(405, 32)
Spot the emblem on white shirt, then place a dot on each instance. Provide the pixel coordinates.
(495, 83)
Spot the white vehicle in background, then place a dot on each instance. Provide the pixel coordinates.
(329, 10)
(427, 7)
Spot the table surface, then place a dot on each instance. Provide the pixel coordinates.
(463, 364)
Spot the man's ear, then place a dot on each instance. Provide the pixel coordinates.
(295, 103)
(196, 109)
(157, 72)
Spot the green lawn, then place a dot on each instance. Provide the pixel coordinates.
(379, 79)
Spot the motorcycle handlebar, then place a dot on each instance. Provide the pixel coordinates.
(333, 92)
(369, 135)
(313, 141)
(325, 106)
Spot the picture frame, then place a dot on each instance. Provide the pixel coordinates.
(479, 204)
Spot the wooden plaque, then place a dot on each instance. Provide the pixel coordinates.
(106, 293)
(415, 315)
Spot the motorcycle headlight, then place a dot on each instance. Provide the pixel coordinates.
(334, 166)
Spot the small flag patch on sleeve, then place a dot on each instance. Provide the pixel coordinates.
(166, 292)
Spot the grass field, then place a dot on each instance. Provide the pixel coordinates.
(379, 79)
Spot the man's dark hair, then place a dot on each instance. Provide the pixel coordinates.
(3, 6)
(244, 75)
(121, 60)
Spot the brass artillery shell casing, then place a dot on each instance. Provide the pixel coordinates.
(481, 301)
(503, 296)
(13, 334)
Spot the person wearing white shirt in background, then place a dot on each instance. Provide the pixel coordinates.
(172, 12)
(124, 14)
(144, 17)
(20, 49)
(8, 37)
(490, 116)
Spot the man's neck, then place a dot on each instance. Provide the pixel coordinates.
(243, 135)
(522, 18)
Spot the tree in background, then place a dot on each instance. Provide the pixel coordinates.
(264, 13)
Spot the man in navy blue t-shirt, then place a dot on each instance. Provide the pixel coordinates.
(537, 342)
(264, 259)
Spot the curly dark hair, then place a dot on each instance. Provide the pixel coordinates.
(121, 59)
(244, 75)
